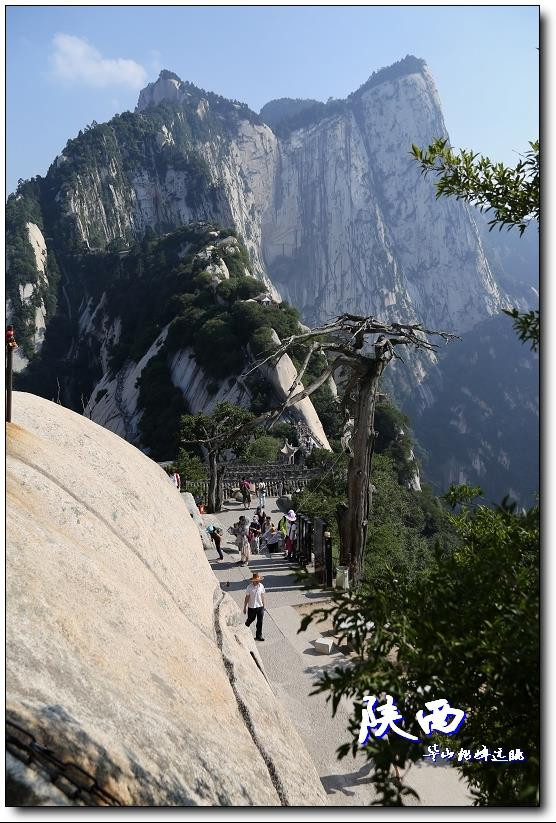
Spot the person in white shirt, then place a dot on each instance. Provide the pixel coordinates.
(253, 605)
(261, 488)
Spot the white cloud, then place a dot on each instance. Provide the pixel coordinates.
(77, 62)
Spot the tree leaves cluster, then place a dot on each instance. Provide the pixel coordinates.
(468, 631)
(511, 194)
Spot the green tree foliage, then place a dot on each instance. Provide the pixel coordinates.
(263, 449)
(394, 439)
(405, 525)
(163, 406)
(468, 631)
(285, 431)
(228, 427)
(218, 348)
(219, 430)
(322, 494)
(328, 409)
(190, 466)
(512, 194)
(527, 326)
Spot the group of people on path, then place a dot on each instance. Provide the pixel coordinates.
(252, 537)
(245, 489)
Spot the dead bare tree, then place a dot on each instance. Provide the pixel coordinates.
(362, 347)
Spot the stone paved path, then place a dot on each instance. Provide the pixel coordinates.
(292, 665)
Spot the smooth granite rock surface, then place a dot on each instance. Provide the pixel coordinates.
(123, 654)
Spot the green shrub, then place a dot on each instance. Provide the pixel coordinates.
(190, 466)
(262, 343)
(217, 348)
(163, 407)
(263, 450)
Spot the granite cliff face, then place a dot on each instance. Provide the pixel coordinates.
(29, 296)
(123, 655)
(354, 225)
(165, 328)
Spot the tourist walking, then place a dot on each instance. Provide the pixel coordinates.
(177, 480)
(254, 604)
(272, 539)
(261, 517)
(283, 526)
(262, 494)
(243, 540)
(216, 537)
(244, 487)
(291, 533)
(254, 535)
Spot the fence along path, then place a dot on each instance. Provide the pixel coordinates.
(277, 485)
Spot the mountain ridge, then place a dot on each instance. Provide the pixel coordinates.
(335, 215)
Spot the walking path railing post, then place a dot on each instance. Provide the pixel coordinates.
(328, 558)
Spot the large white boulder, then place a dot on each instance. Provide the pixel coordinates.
(124, 657)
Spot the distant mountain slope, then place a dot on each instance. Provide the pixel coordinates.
(165, 328)
(483, 425)
(514, 260)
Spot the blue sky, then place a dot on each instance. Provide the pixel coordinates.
(69, 65)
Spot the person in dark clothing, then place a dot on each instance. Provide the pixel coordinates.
(245, 490)
(216, 537)
(261, 517)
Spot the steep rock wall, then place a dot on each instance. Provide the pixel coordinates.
(114, 399)
(124, 657)
(354, 226)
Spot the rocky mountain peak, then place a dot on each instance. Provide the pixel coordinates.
(406, 66)
(167, 87)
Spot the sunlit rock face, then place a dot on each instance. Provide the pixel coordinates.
(354, 226)
(123, 655)
(30, 295)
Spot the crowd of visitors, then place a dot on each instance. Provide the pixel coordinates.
(257, 534)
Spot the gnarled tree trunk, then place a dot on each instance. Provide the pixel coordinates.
(212, 493)
(353, 518)
(220, 472)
